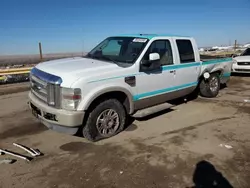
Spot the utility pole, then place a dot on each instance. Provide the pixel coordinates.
(41, 52)
(82, 47)
(235, 45)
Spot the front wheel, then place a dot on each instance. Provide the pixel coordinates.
(210, 87)
(105, 120)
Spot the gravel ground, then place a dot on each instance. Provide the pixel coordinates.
(13, 88)
(180, 147)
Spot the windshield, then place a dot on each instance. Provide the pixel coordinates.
(246, 52)
(119, 49)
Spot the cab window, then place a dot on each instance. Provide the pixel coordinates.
(246, 52)
(163, 48)
(186, 51)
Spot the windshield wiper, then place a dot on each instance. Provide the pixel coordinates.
(90, 56)
(108, 59)
(101, 57)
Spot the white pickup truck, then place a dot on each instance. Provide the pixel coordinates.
(125, 75)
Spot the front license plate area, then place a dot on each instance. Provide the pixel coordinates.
(35, 111)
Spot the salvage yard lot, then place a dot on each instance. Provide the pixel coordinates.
(161, 151)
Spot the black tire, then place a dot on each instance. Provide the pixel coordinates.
(206, 89)
(194, 95)
(90, 130)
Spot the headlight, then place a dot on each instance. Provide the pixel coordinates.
(71, 98)
(234, 61)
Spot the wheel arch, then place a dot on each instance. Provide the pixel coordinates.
(119, 93)
(216, 70)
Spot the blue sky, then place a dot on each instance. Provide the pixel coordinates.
(76, 25)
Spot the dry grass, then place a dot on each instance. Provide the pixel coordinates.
(12, 60)
(228, 53)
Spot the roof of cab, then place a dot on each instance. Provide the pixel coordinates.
(149, 36)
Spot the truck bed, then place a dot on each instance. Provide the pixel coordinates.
(212, 64)
(209, 57)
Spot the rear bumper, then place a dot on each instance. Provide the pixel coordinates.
(56, 119)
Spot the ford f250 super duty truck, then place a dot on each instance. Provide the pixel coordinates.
(125, 75)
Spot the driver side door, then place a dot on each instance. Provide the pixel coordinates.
(155, 83)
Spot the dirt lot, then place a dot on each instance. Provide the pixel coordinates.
(178, 148)
(13, 88)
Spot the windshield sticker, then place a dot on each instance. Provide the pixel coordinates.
(139, 40)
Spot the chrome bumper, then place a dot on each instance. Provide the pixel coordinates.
(56, 119)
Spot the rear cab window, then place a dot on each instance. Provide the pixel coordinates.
(186, 51)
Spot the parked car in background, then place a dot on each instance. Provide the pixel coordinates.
(241, 63)
(125, 75)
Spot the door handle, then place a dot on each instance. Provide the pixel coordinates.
(173, 71)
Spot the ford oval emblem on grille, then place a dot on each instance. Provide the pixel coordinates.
(38, 87)
(35, 87)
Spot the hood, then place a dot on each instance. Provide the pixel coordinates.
(242, 59)
(71, 69)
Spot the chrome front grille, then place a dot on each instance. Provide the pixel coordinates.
(242, 70)
(39, 88)
(46, 87)
(243, 63)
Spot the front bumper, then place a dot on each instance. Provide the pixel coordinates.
(56, 119)
(240, 68)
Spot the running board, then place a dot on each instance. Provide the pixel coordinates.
(152, 110)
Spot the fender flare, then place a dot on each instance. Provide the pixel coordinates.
(221, 70)
(211, 71)
(89, 99)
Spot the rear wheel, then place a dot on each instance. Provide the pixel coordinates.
(210, 87)
(105, 120)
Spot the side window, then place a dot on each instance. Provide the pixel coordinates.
(112, 48)
(163, 48)
(186, 51)
(246, 52)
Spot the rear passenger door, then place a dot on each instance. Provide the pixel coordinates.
(188, 68)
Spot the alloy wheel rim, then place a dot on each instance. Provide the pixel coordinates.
(108, 122)
(214, 84)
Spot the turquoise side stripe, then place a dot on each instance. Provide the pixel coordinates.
(110, 78)
(226, 74)
(169, 67)
(162, 91)
(164, 68)
(180, 66)
(216, 61)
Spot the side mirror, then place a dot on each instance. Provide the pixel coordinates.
(154, 57)
(152, 64)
